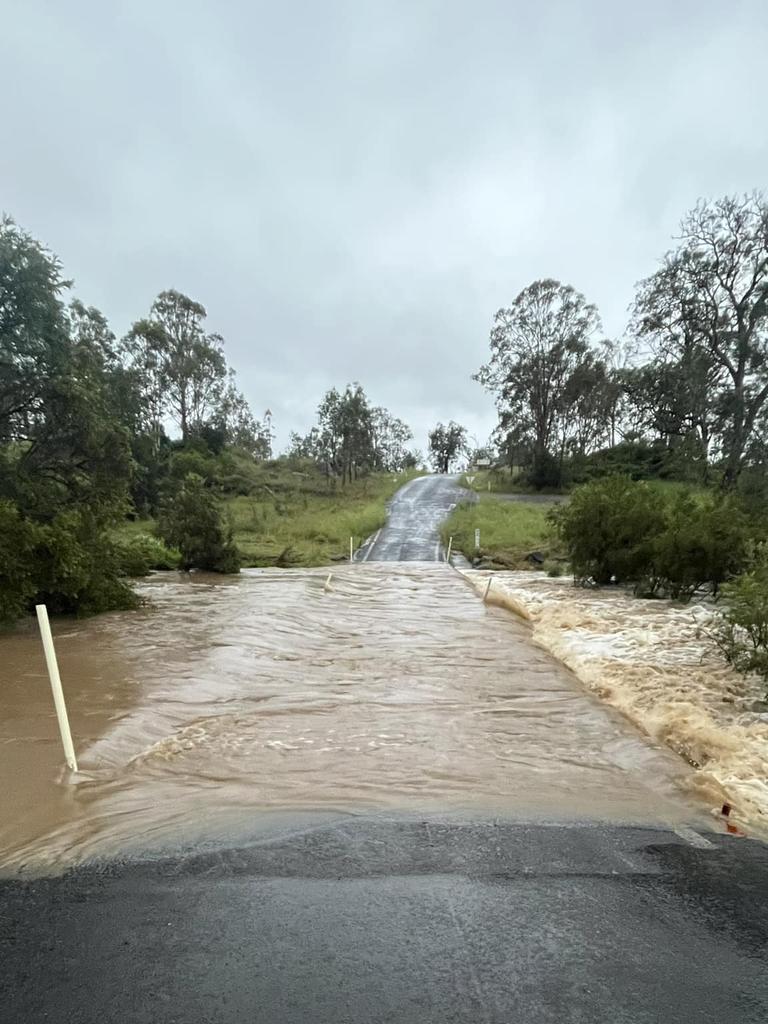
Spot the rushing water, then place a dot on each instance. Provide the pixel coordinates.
(225, 703)
(656, 662)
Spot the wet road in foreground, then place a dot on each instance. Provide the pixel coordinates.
(464, 835)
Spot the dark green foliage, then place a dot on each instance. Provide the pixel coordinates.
(620, 530)
(68, 564)
(18, 541)
(608, 528)
(191, 522)
(64, 451)
(742, 632)
(704, 541)
(184, 462)
(78, 567)
(140, 554)
(447, 444)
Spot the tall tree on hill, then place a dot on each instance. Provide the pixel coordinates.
(390, 439)
(705, 313)
(446, 445)
(542, 355)
(183, 368)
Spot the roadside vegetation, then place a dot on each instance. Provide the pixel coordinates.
(292, 516)
(123, 455)
(660, 440)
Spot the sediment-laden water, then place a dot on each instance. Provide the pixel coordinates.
(656, 662)
(229, 702)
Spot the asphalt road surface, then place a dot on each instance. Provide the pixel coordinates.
(400, 918)
(412, 533)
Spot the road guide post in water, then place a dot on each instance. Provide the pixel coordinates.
(58, 693)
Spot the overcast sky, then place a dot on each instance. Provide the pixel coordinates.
(353, 188)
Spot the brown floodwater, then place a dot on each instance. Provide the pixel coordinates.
(226, 704)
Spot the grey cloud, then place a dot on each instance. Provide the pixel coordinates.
(353, 189)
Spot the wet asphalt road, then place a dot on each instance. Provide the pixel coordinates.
(400, 919)
(412, 533)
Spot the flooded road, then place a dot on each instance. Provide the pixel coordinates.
(229, 703)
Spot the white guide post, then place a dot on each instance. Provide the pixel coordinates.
(58, 693)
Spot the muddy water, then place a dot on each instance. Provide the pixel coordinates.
(655, 661)
(227, 703)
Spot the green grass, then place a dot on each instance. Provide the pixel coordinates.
(509, 531)
(295, 518)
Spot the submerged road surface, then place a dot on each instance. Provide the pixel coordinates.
(448, 848)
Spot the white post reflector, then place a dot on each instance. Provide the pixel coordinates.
(58, 693)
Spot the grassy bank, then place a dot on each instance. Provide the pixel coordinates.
(509, 531)
(294, 518)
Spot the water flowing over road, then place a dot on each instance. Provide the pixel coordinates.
(369, 798)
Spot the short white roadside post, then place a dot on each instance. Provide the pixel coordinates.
(450, 545)
(351, 549)
(477, 540)
(58, 693)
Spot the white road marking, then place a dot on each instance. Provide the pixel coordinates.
(693, 838)
(367, 554)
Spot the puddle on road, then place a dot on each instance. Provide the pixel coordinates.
(231, 701)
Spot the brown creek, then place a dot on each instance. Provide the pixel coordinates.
(226, 704)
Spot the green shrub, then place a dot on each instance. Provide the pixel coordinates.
(191, 461)
(608, 528)
(669, 542)
(191, 522)
(704, 541)
(18, 541)
(140, 554)
(77, 567)
(69, 564)
(742, 631)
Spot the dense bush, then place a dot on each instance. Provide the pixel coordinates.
(626, 531)
(608, 528)
(139, 555)
(69, 564)
(191, 522)
(704, 541)
(18, 540)
(742, 632)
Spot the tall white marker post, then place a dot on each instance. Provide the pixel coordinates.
(58, 693)
(351, 549)
(450, 545)
(477, 540)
